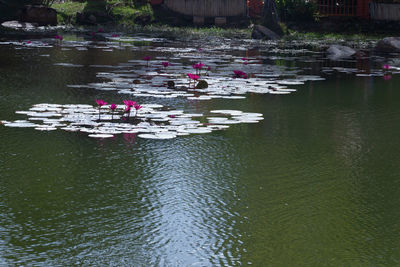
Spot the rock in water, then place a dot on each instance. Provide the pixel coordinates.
(261, 32)
(16, 25)
(336, 52)
(388, 45)
(39, 14)
(202, 84)
(171, 85)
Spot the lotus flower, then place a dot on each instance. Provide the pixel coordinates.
(100, 30)
(137, 107)
(208, 70)
(198, 67)
(59, 37)
(165, 64)
(128, 110)
(239, 74)
(386, 67)
(28, 42)
(112, 107)
(100, 103)
(147, 58)
(115, 35)
(244, 58)
(193, 77)
(129, 103)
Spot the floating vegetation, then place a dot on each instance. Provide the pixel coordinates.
(219, 66)
(151, 121)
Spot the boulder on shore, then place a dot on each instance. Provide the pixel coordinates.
(337, 52)
(41, 15)
(92, 18)
(388, 45)
(17, 25)
(262, 32)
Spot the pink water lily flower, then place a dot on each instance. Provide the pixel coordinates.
(137, 107)
(198, 66)
(100, 30)
(193, 76)
(147, 58)
(100, 102)
(59, 37)
(29, 42)
(165, 64)
(239, 74)
(113, 107)
(115, 35)
(129, 103)
(386, 66)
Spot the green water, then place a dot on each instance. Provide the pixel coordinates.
(316, 183)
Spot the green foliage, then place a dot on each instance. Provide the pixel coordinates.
(331, 37)
(66, 12)
(165, 30)
(297, 10)
(124, 12)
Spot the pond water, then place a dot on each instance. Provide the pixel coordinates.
(313, 182)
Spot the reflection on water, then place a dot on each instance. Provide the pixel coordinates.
(315, 183)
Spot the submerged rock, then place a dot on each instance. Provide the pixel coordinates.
(261, 32)
(336, 52)
(202, 84)
(388, 45)
(171, 85)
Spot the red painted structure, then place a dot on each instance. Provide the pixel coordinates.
(255, 8)
(344, 8)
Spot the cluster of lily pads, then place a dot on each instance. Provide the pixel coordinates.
(152, 121)
(164, 77)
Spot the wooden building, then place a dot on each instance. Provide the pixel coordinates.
(219, 10)
(344, 8)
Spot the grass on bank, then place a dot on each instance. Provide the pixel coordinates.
(294, 35)
(119, 12)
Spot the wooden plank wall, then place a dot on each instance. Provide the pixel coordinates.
(208, 8)
(346, 8)
(380, 11)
